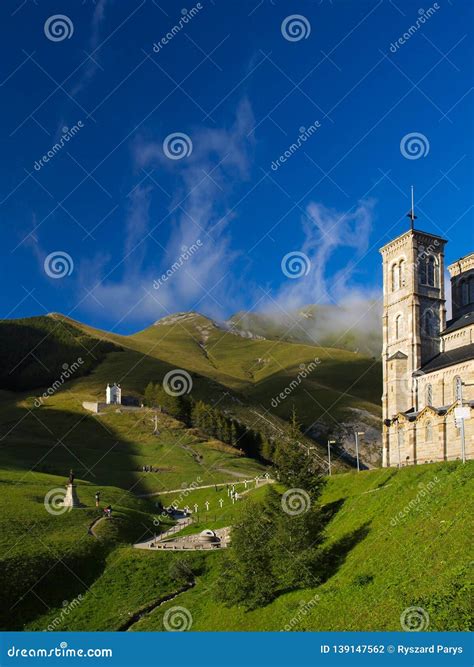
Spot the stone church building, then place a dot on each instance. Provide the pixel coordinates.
(428, 363)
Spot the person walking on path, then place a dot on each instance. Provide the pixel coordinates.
(97, 498)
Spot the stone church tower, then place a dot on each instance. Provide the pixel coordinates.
(428, 363)
(413, 315)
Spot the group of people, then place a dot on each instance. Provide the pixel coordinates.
(149, 469)
(107, 510)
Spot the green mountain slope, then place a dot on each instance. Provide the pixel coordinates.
(35, 351)
(378, 563)
(394, 540)
(335, 391)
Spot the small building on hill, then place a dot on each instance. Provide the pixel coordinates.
(113, 394)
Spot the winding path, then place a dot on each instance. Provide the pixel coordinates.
(91, 530)
(263, 481)
(181, 523)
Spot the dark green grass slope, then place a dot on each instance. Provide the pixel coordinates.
(111, 448)
(47, 558)
(36, 351)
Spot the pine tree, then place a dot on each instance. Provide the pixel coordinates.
(246, 570)
(295, 464)
(150, 395)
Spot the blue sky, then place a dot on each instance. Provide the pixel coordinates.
(242, 90)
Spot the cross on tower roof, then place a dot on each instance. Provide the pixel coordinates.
(412, 215)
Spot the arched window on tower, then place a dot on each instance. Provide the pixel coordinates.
(402, 273)
(430, 323)
(422, 271)
(395, 277)
(398, 327)
(457, 388)
(471, 289)
(431, 271)
(428, 432)
(464, 293)
(429, 394)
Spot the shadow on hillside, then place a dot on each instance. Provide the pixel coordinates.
(387, 479)
(334, 556)
(53, 441)
(43, 581)
(330, 510)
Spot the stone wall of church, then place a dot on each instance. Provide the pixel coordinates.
(442, 384)
(459, 338)
(429, 439)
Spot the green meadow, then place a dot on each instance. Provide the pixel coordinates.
(389, 544)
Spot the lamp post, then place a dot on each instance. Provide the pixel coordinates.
(330, 442)
(463, 434)
(357, 433)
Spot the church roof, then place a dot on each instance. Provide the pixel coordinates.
(450, 358)
(413, 232)
(459, 323)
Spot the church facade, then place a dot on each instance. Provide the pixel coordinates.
(428, 363)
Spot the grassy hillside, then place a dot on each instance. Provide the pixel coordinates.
(394, 539)
(37, 351)
(258, 369)
(380, 562)
(47, 558)
(257, 381)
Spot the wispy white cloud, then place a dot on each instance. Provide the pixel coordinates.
(200, 208)
(356, 311)
(90, 66)
(325, 232)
